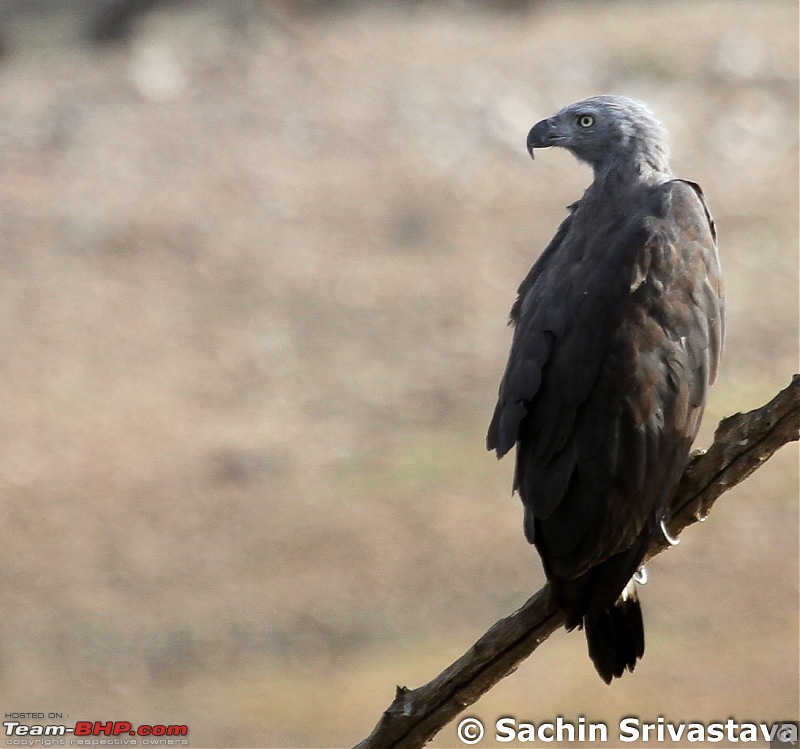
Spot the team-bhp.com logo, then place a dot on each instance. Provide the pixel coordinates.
(87, 728)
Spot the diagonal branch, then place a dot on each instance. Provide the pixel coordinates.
(741, 444)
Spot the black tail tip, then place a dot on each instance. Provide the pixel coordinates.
(616, 636)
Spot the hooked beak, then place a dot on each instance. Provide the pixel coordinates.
(542, 135)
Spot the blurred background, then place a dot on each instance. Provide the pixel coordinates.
(257, 260)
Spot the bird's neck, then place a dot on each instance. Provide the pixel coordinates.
(640, 168)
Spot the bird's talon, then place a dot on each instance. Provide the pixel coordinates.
(671, 540)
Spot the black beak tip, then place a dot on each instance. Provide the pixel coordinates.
(539, 136)
(530, 143)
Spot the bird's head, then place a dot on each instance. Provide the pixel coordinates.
(605, 131)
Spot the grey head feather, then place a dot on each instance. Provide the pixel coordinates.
(608, 133)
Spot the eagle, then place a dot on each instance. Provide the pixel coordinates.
(618, 333)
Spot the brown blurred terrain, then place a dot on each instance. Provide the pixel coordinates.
(254, 281)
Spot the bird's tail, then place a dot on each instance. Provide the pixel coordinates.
(615, 636)
(604, 603)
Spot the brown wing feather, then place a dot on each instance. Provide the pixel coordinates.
(618, 336)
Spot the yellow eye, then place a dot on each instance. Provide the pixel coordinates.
(586, 120)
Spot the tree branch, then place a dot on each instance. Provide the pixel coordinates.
(742, 443)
